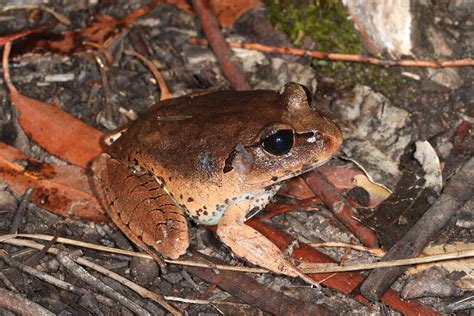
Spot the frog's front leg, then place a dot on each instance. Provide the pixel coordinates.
(140, 207)
(252, 246)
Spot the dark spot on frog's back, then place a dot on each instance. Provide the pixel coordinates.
(190, 199)
(274, 178)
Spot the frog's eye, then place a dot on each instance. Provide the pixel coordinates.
(278, 143)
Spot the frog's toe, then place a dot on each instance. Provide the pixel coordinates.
(252, 246)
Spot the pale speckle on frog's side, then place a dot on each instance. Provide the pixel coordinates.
(226, 159)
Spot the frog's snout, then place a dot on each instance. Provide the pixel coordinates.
(333, 140)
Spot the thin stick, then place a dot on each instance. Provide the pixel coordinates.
(20, 305)
(165, 91)
(59, 16)
(346, 57)
(304, 266)
(20, 212)
(375, 251)
(43, 276)
(82, 274)
(6, 238)
(203, 302)
(142, 291)
(230, 68)
(325, 268)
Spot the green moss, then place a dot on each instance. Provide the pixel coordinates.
(327, 23)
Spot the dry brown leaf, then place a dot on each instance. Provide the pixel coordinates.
(342, 178)
(58, 132)
(64, 190)
(228, 11)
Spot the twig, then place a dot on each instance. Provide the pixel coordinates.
(52, 280)
(320, 268)
(390, 297)
(345, 283)
(165, 91)
(59, 16)
(203, 302)
(459, 190)
(7, 238)
(142, 291)
(42, 276)
(36, 257)
(375, 251)
(102, 49)
(246, 289)
(7, 283)
(20, 305)
(12, 37)
(465, 303)
(20, 212)
(326, 268)
(232, 71)
(346, 57)
(88, 278)
(340, 207)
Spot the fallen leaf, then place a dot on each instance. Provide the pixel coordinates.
(344, 179)
(229, 11)
(58, 132)
(63, 190)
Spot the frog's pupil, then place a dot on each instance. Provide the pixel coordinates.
(278, 143)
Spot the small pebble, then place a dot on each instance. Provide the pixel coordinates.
(8, 202)
(144, 270)
(433, 282)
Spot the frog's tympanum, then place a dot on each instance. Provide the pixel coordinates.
(216, 158)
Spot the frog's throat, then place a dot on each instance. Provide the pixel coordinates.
(259, 199)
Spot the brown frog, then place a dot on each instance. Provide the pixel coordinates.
(216, 158)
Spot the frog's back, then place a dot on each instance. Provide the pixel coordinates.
(209, 151)
(196, 134)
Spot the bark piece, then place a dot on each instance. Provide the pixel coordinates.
(459, 189)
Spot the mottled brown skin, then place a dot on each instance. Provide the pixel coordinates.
(186, 141)
(206, 152)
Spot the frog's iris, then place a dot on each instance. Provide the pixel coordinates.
(278, 143)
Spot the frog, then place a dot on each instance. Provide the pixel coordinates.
(217, 159)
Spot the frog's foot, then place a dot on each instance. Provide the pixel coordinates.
(252, 246)
(141, 208)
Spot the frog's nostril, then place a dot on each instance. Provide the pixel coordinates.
(312, 137)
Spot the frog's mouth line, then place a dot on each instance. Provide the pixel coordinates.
(304, 169)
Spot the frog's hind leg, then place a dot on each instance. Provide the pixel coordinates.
(252, 246)
(141, 209)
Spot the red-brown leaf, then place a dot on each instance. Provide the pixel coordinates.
(64, 190)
